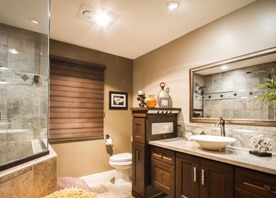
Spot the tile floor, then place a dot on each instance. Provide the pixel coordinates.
(102, 184)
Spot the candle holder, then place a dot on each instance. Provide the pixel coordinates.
(141, 97)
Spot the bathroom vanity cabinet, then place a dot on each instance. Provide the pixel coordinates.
(201, 178)
(150, 124)
(254, 184)
(163, 170)
(198, 173)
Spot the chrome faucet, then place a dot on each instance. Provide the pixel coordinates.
(221, 123)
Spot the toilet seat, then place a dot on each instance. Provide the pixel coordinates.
(122, 157)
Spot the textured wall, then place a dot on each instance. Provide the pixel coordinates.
(87, 157)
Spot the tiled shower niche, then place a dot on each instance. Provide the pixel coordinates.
(23, 93)
(231, 94)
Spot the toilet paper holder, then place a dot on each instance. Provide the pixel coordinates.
(108, 140)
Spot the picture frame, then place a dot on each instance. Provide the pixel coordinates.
(118, 100)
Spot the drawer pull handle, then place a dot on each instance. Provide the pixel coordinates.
(202, 177)
(137, 156)
(162, 156)
(195, 170)
(183, 196)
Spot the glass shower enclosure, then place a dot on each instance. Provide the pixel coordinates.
(24, 80)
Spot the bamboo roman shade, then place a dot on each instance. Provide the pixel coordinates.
(76, 99)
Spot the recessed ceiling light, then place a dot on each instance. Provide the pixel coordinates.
(172, 5)
(34, 21)
(224, 67)
(13, 51)
(102, 18)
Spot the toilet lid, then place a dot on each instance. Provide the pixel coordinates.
(122, 157)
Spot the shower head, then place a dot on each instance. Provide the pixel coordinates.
(199, 89)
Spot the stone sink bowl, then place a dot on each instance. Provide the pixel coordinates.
(211, 142)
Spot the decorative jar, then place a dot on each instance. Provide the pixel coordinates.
(151, 101)
(163, 97)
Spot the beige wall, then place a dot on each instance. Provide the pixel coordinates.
(88, 157)
(247, 30)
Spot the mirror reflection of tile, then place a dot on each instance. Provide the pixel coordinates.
(231, 94)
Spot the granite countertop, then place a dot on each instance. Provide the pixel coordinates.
(231, 155)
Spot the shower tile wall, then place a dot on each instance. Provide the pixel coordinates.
(231, 94)
(23, 102)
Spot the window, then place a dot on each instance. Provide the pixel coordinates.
(76, 99)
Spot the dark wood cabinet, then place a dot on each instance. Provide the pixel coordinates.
(139, 157)
(187, 176)
(250, 183)
(139, 130)
(201, 178)
(163, 170)
(146, 126)
(138, 169)
(158, 172)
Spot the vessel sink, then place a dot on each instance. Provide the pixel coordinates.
(211, 142)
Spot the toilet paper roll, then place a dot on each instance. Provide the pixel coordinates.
(108, 141)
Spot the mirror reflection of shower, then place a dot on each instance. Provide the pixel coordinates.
(199, 91)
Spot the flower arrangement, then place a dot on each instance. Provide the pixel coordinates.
(260, 146)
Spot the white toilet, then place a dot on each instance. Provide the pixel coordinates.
(122, 163)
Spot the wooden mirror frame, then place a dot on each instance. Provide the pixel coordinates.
(255, 122)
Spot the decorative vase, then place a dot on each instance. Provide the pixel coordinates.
(170, 98)
(163, 97)
(151, 101)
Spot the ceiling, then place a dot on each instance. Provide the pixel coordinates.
(140, 26)
(19, 13)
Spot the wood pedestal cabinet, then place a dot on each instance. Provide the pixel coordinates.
(201, 178)
(142, 132)
(138, 170)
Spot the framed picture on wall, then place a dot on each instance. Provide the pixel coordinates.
(118, 100)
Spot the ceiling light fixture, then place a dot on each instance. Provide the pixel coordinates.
(172, 5)
(224, 67)
(13, 51)
(34, 21)
(102, 18)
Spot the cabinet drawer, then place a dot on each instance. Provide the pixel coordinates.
(254, 182)
(138, 130)
(162, 177)
(163, 155)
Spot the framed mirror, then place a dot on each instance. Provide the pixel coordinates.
(230, 88)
